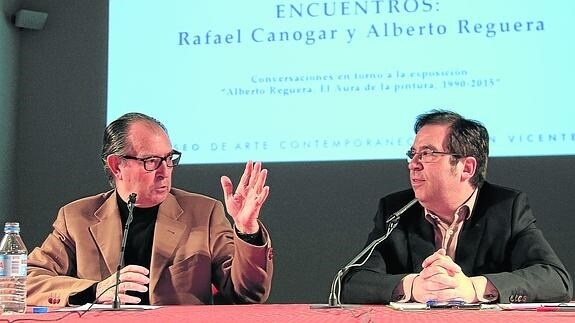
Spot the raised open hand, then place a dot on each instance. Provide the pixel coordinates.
(244, 205)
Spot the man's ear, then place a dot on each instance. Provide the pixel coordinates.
(113, 162)
(469, 168)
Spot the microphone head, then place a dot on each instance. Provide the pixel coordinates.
(395, 216)
(132, 198)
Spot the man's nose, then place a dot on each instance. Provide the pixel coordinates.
(163, 169)
(414, 164)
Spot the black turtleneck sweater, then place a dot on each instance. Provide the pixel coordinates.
(138, 247)
(140, 238)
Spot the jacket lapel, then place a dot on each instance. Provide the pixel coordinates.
(420, 238)
(469, 241)
(107, 233)
(167, 235)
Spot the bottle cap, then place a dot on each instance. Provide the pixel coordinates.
(12, 227)
(40, 309)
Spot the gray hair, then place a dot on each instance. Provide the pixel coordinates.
(115, 137)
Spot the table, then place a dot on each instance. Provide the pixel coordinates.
(293, 313)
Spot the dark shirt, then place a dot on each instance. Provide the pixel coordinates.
(139, 240)
(138, 247)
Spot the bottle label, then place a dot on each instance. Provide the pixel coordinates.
(13, 265)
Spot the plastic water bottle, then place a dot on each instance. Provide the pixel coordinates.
(13, 267)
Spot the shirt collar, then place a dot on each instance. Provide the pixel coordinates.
(462, 213)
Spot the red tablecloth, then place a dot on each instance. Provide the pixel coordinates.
(293, 313)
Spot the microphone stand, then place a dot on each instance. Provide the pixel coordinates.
(335, 291)
(131, 203)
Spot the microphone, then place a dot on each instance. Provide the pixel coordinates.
(131, 204)
(391, 222)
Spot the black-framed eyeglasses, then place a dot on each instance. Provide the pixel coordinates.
(153, 162)
(427, 155)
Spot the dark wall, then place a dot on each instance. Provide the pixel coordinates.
(319, 214)
(9, 41)
(61, 111)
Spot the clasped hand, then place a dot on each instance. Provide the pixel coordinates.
(442, 280)
(132, 278)
(244, 205)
